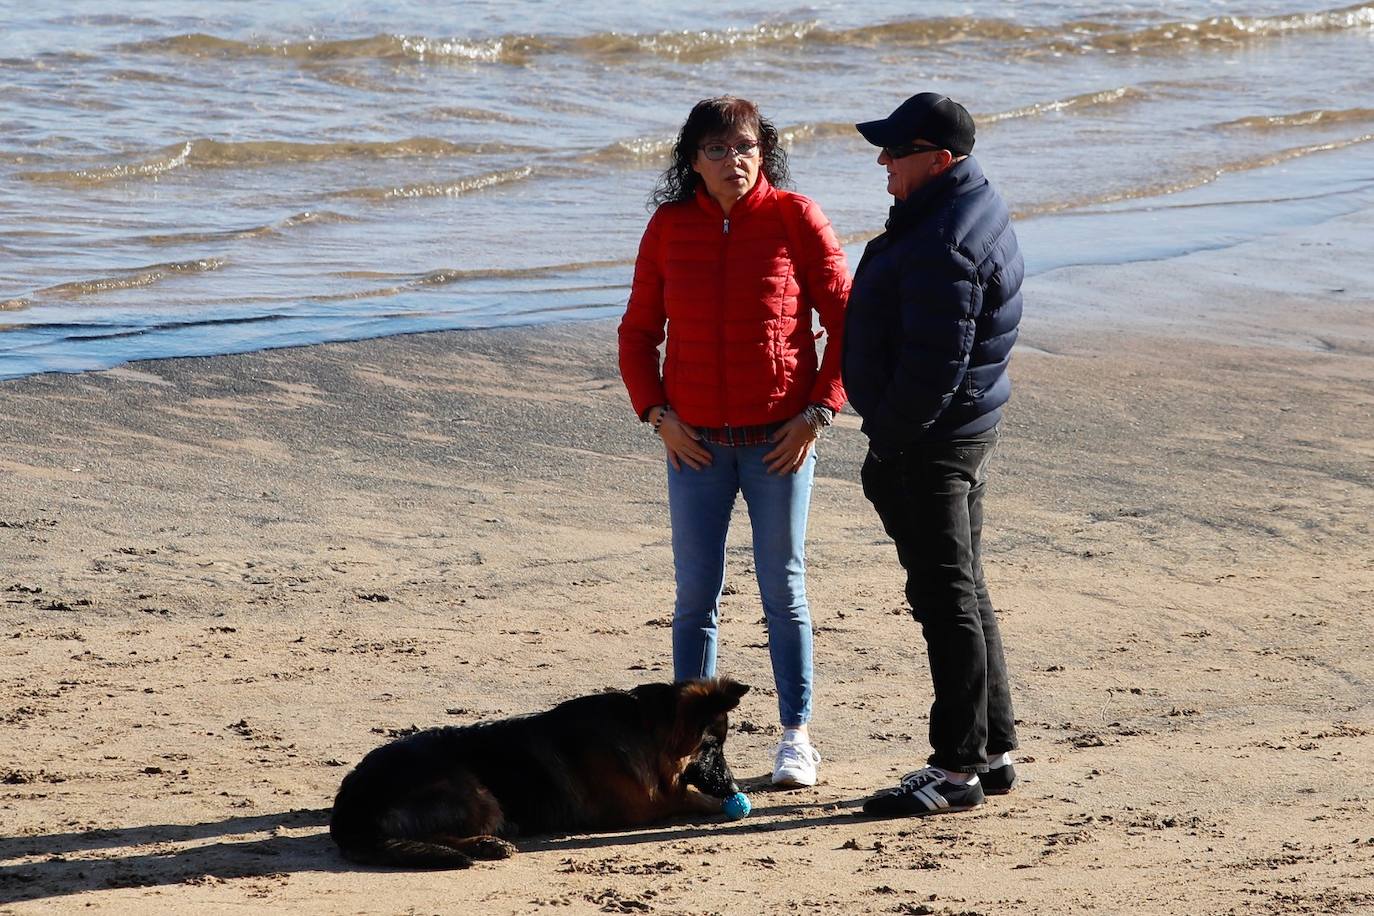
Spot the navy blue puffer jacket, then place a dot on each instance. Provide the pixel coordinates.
(933, 314)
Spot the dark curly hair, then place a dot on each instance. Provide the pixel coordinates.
(710, 118)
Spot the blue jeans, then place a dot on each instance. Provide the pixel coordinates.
(700, 503)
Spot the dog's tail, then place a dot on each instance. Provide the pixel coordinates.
(361, 839)
(406, 854)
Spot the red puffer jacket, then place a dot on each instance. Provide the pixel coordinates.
(736, 296)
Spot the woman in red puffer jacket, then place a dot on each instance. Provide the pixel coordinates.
(729, 272)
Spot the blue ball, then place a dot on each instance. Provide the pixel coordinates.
(737, 806)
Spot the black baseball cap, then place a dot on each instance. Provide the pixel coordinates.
(927, 116)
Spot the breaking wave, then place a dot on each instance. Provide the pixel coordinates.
(454, 188)
(1193, 181)
(1317, 117)
(509, 49)
(1079, 36)
(1213, 31)
(657, 149)
(207, 153)
(1106, 97)
(447, 276)
(308, 218)
(124, 279)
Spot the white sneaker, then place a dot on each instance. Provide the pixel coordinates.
(795, 764)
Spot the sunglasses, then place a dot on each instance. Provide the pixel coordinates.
(718, 151)
(901, 152)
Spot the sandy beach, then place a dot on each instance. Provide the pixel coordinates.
(226, 579)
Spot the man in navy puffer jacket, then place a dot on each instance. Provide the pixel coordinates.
(932, 318)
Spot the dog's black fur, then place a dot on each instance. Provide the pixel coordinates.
(443, 797)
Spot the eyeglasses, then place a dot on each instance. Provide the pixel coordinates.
(901, 152)
(718, 151)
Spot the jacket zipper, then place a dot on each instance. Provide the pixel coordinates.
(724, 239)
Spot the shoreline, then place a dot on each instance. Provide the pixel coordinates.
(227, 578)
(1176, 225)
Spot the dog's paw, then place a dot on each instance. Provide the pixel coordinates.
(489, 847)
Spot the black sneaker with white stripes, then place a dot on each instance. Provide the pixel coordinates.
(999, 780)
(925, 791)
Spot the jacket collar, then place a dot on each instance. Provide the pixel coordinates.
(963, 174)
(759, 193)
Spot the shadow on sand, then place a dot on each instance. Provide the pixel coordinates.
(56, 875)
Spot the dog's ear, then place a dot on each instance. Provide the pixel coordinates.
(730, 692)
(703, 700)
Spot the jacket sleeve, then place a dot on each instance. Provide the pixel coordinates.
(825, 278)
(939, 300)
(642, 329)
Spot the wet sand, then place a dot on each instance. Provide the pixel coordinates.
(226, 579)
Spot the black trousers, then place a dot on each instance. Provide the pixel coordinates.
(930, 499)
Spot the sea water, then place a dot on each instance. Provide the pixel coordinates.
(191, 178)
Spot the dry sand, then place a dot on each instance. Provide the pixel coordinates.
(226, 579)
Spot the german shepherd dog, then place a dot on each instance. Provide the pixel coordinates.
(445, 796)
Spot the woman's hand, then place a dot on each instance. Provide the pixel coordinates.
(793, 440)
(682, 443)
